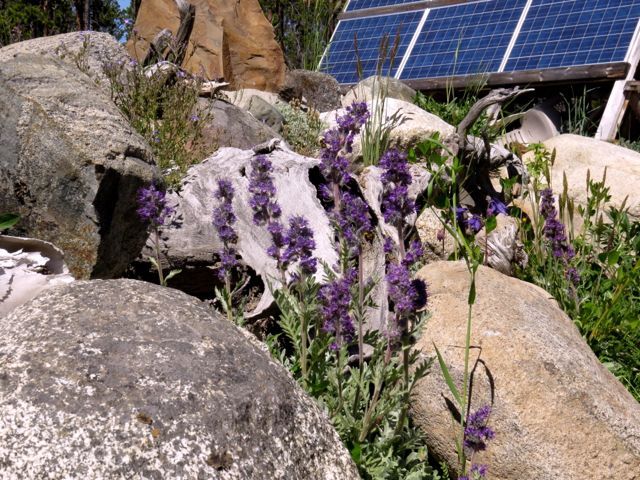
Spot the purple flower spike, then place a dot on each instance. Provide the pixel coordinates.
(554, 230)
(300, 245)
(496, 207)
(223, 221)
(333, 165)
(396, 179)
(476, 432)
(152, 205)
(414, 254)
(470, 224)
(407, 295)
(354, 221)
(335, 298)
(263, 191)
(477, 472)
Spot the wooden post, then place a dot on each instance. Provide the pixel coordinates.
(617, 103)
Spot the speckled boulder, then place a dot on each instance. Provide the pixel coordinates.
(70, 165)
(557, 412)
(114, 379)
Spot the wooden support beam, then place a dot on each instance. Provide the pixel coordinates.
(605, 71)
(618, 101)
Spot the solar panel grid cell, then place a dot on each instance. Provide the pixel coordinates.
(464, 39)
(341, 60)
(563, 33)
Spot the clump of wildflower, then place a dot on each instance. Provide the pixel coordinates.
(263, 192)
(477, 472)
(299, 245)
(555, 234)
(152, 205)
(223, 221)
(333, 164)
(476, 432)
(554, 230)
(407, 295)
(353, 221)
(469, 223)
(335, 298)
(396, 179)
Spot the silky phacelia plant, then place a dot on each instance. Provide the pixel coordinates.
(295, 244)
(335, 299)
(299, 246)
(555, 234)
(469, 223)
(337, 141)
(354, 222)
(476, 432)
(223, 221)
(476, 472)
(396, 178)
(152, 205)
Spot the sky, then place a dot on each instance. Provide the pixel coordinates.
(124, 3)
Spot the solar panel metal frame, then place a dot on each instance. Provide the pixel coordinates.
(601, 71)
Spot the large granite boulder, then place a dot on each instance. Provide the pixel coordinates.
(70, 165)
(230, 40)
(230, 126)
(372, 87)
(575, 155)
(320, 90)
(89, 52)
(557, 412)
(411, 124)
(125, 379)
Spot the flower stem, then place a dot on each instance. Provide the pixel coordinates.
(157, 248)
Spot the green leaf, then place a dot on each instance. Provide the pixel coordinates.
(472, 292)
(448, 378)
(8, 220)
(356, 452)
(491, 224)
(172, 274)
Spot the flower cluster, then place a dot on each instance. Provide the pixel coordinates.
(477, 472)
(407, 295)
(354, 221)
(152, 205)
(223, 220)
(299, 246)
(476, 432)
(333, 164)
(469, 223)
(294, 244)
(396, 179)
(263, 192)
(554, 233)
(496, 207)
(335, 298)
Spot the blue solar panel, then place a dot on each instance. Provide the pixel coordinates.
(564, 33)
(469, 38)
(340, 60)
(362, 4)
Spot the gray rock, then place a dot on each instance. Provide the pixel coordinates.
(557, 412)
(70, 165)
(370, 88)
(230, 126)
(320, 90)
(266, 113)
(88, 52)
(125, 379)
